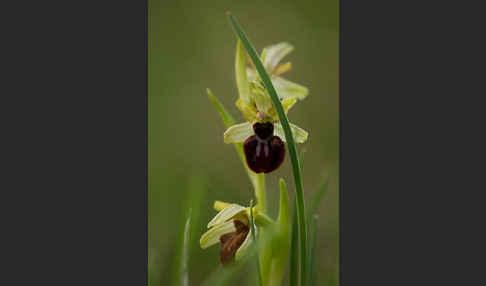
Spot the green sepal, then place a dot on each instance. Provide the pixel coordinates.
(240, 71)
(225, 115)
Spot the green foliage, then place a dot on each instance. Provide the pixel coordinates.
(294, 250)
(189, 232)
(183, 267)
(318, 198)
(312, 252)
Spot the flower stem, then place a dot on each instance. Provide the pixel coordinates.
(265, 254)
(260, 192)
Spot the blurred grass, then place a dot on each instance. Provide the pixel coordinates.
(191, 47)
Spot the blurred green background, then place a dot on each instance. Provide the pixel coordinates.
(192, 47)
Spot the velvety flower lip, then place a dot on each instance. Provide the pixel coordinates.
(264, 152)
(231, 242)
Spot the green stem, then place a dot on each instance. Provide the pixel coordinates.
(264, 255)
(260, 192)
(299, 189)
(252, 226)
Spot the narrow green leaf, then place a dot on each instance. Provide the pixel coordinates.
(186, 237)
(284, 210)
(289, 139)
(312, 251)
(294, 251)
(281, 244)
(302, 153)
(183, 270)
(252, 226)
(198, 186)
(225, 115)
(318, 197)
(228, 122)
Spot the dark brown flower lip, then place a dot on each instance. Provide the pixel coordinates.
(230, 242)
(264, 152)
(263, 131)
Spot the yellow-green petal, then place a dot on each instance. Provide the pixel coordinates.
(274, 54)
(212, 236)
(299, 134)
(288, 103)
(226, 214)
(286, 88)
(238, 133)
(248, 110)
(262, 100)
(282, 68)
(251, 75)
(219, 205)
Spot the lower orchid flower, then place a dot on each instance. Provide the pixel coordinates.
(231, 228)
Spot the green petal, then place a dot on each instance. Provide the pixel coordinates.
(248, 110)
(286, 89)
(274, 54)
(262, 99)
(212, 236)
(282, 68)
(238, 133)
(243, 249)
(287, 103)
(226, 214)
(251, 75)
(240, 71)
(300, 135)
(219, 205)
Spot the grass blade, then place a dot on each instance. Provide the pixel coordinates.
(189, 226)
(318, 198)
(299, 189)
(302, 153)
(183, 270)
(312, 251)
(294, 250)
(180, 268)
